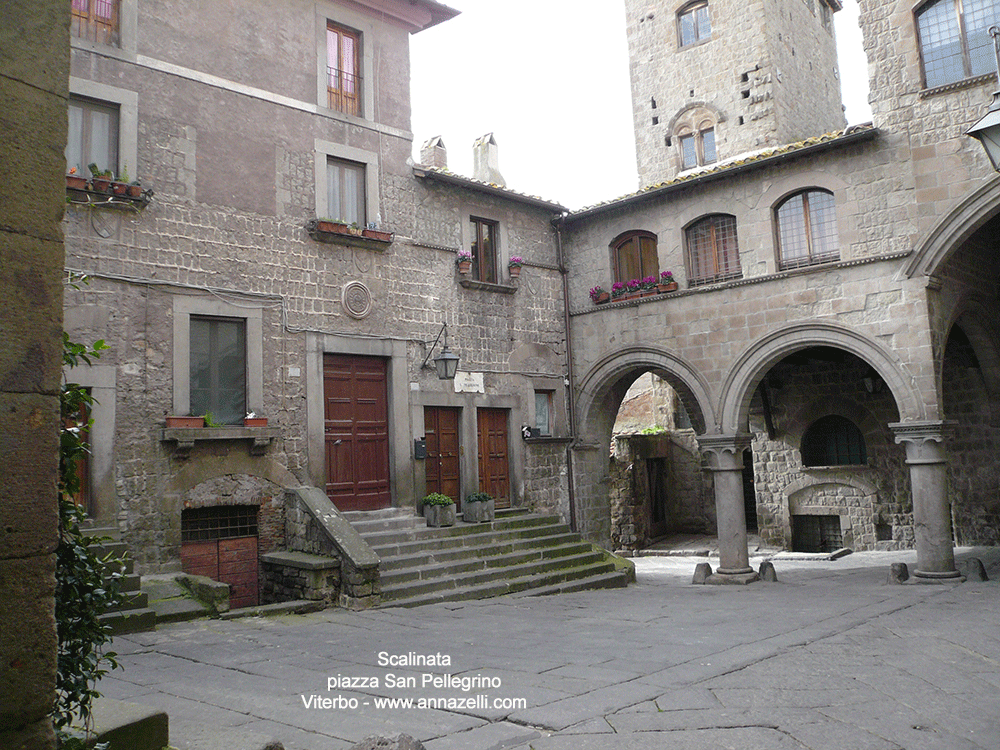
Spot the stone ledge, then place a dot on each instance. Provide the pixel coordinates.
(186, 437)
(301, 560)
(130, 725)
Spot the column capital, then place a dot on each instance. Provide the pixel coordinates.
(924, 441)
(724, 451)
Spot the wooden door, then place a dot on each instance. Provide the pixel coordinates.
(442, 465)
(357, 432)
(494, 463)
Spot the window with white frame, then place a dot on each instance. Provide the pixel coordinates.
(346, 191)
(694, 23)
(92, 135)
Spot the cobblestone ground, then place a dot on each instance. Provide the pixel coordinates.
(829, 658)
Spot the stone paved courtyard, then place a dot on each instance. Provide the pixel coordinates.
(828, 658)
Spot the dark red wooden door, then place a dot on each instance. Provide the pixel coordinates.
(357, 432)
(442, 464)
(494, 464)
(232, 561)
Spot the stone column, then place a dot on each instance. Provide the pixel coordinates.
(925, 455)
(725, 458)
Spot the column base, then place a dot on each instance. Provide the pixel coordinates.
(931, 576)
(720, 578)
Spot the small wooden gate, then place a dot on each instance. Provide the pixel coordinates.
(494, 463)
(221, 543)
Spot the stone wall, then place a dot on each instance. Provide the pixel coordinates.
(34, 65)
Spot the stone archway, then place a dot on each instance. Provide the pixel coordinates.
(601, 392)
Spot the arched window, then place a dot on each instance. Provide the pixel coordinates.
(954, 39)
(807, 229)
(634, 256)
(833, 441)
(713, 252)
(697, 147)
(693, 23)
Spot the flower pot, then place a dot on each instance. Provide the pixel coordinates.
(101, 184)
(440, 515)
(76, 183)
(465, 267)
(135, 191)
(602, 298)
(515, 271)
(119, 188)
(255, 421)
(479, 512)
(375, 234)
(664, 288)
(185, 422)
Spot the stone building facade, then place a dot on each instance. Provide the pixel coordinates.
(243, 152)
(873, 333)
(836, 322)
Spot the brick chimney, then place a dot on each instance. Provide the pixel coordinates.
(484, 161)
(434, 154)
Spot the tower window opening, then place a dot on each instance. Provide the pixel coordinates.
(693, 23)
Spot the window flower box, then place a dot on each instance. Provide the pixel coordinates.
(185, 423)
(255, 421)
(328, 230)
(376, 234)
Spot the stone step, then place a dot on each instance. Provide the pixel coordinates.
(587, 577)
(475, 560)
(131, 621)
(506, 574)
(425, 556)
(393, 544)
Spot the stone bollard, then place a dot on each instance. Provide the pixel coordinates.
(898, 573)
(399, 742)
(768, 573)
(975, 570)
(701, 573)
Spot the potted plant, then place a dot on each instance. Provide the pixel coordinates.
(479, 507)
(75, 181)
(514, 265)
(633, 288)
(439, 510)
(598, 295)
(101, 180)
(667, 283)
(464, 261)
(618, 290)
(252, 420)
(188, 423)
(648, 285)
(373, 233)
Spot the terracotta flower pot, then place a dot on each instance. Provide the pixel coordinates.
(465, 267)
(76, 183)
(671, 287)
(255, 421)
(602, 298)
(101, 184)
(119, 188)
(135, 191)
(515, 271)
(185, 422)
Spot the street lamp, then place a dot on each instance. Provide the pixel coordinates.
(446, 362)
(987, 130)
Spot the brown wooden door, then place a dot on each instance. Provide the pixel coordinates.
(494, 464)
(357, 432)
(442, 465)
(232, 561)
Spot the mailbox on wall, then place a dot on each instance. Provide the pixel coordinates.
(420, 449)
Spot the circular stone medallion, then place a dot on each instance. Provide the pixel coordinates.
(356, 299)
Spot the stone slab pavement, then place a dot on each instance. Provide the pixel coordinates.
(831, 657)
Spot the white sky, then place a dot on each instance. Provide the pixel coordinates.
(549, 79)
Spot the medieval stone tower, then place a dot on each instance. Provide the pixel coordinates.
(712, 79)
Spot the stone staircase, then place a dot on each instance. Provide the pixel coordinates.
(518, 553)
(136, 616)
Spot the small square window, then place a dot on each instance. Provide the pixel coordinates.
(543, 413)
(218, 368)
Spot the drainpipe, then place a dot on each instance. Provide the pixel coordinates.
(571, 387)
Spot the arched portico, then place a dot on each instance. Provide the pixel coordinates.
(922, 437)
(601, 393)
